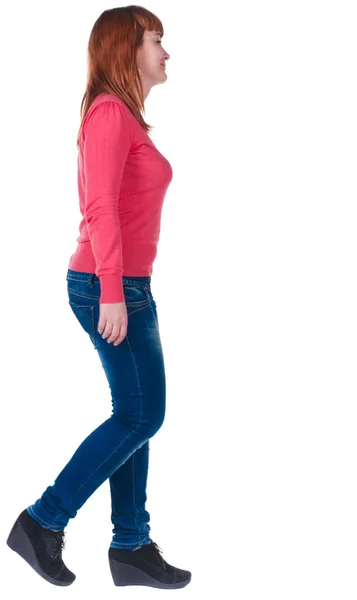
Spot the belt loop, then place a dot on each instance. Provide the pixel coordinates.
(90, 282)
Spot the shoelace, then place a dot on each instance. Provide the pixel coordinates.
(158, 553)
(56, 544)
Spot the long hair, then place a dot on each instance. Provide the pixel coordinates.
(111, 58)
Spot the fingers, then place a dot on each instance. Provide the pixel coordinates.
(109, 330)
(117, 335)
(114, 333)
(121, 337)
(101, 325)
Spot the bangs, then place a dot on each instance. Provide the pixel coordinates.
(150, 22)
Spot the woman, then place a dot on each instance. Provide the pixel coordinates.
(122, 182)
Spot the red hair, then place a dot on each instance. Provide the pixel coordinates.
(113, 42)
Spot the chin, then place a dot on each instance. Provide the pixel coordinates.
(162, 79)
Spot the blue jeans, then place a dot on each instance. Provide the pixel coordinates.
(119, 448)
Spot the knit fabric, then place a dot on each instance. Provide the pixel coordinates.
(122, 183)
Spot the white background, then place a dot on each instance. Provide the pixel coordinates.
(252, 480)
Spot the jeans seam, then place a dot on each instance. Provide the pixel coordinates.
(137, 512)
(138, 378)
(90, 320)
(126, 437)
(131, 312)
(147, 303)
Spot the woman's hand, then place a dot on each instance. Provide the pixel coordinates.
(113, 322)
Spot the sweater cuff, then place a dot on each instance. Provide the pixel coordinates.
(111, 288)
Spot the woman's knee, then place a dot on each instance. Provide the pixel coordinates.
(151, 424)
(157, 422)
(145, 426)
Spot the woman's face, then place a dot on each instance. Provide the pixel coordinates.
(150, 59)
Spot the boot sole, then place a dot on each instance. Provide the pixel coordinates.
(19, 542)
(124, 574)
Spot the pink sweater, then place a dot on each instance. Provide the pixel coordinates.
(122, 182)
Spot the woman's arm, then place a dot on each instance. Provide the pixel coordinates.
(106, 146)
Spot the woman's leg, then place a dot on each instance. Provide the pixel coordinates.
(129, 516)
(135, 373)
(128, 497)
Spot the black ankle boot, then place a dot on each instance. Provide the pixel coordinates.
(41, 548)
(145, 566)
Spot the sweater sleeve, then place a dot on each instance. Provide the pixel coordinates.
(106, 147)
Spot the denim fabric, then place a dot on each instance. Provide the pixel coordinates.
(119, 448)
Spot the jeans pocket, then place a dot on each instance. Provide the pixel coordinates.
(85, 314)
(136, 296)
